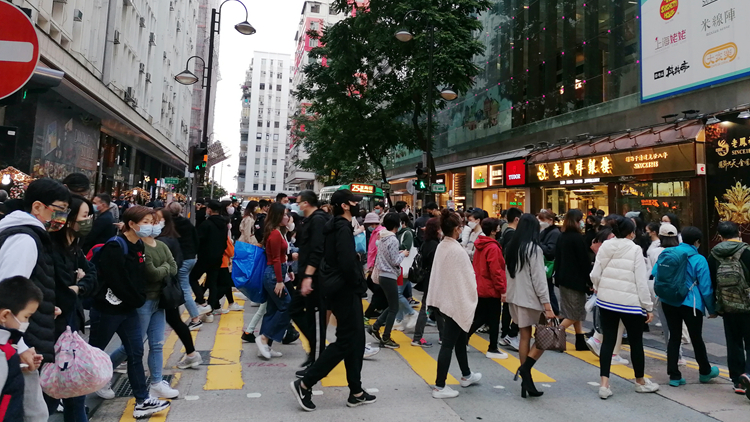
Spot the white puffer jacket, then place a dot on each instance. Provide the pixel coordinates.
(620, 278)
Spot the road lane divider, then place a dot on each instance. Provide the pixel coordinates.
(511, 364)
(224, 369)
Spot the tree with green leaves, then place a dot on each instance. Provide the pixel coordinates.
(368, 91)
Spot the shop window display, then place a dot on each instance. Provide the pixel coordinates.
(656, 199)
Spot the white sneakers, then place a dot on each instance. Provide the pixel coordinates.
(497, 355)
(370, 351)
(236, 307)
(646, 387)
(106, 392)
(604, 392)
(162, 390)
(473, 379)
(444, 393)
(511, 342)
(263, 350)
(188, 361)
(203, 309)
(594, 345)
(619, 360)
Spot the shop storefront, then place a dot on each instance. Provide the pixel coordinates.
(657, 180)
(494, 191)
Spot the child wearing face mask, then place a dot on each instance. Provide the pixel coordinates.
(19, 299)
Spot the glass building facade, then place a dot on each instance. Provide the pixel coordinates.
(543, 60)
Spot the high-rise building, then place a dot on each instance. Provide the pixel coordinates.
(263, 127)
(201, 50)
(315, 16)
(103, 100)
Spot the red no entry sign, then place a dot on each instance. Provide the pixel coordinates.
(19, 49)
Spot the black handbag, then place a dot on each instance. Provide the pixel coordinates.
(172, 296)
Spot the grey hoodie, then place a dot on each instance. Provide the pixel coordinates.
(388, 261)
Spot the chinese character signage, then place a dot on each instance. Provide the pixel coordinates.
(670, 159)
(727, 165)
(687, 44)
(363, 189)
(496, 175)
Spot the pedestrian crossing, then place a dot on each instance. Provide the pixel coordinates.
(225, 370)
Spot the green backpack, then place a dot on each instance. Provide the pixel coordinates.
(732, 288)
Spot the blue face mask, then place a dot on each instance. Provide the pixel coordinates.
(96, 208)
(157, 229)
(146, 230)
(377, 211)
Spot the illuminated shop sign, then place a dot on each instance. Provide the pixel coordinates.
(670, 159)
(479, 177)
(363, 189)
(496, 175)
(515, 173)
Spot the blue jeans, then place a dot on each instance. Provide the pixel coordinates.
(152, 326)
(183, 274)
(276, 320)
(128, 328)
(404, 308)
(75, 409)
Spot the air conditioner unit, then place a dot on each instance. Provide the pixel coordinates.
(148, 77)
(116, 39)
(60, 1)
(165, 55)
(164, 97)
(142, 67)
(152, 38)
(129, 93)
(77, 15)
(178, 26)
(134, 103)
(142, 22)
(171, 6)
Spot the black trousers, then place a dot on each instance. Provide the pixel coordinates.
(302, 310)
(610, 322)
(737, 332)
(378, 300)
(488, 312)
(553, 297)
(225, 285)
(509, 327)
(453, 338)
(676, 315)
(183, 332)
(212, 280)
(349, 345)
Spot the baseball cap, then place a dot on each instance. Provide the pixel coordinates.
(344, 196)
(667, 229)
(213, 205)
(372, 218)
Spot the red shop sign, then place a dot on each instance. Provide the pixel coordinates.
(515, 173)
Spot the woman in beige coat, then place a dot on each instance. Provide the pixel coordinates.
(247, 226)
(527, 294)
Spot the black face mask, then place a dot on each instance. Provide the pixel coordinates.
(354, 209)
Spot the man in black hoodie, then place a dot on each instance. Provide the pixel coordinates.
(306, 299)
(340, 261)
(200, 211)
(212, 240)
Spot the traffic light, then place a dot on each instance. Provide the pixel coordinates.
(422, 178)
(420, 184)
(199, 160)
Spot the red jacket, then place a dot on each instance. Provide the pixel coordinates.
(489, 267)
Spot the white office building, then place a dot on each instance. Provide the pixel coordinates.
(263, 126)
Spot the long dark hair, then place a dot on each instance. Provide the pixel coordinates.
(432, 229)
(60, 237)
(273, 219)
(674, 220)
(168, 230)
(523, 244)
(250, 209)
(572, 220)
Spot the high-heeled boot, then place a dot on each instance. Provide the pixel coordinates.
(581, 343)
(527, 383)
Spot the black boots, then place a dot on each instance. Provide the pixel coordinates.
(581, 343)
(527, 383)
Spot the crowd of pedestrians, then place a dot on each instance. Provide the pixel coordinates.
(133, 267)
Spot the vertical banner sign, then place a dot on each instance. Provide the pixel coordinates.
(19, 49)
(688, 44)
(728, 164)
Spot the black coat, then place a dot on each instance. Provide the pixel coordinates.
(572, 264)
(548, 241)
(188, 237)
(212, 241)
(340, 255)
(236, 220)
(123, 274)
(66, 265)
(102, 230)
(427, 251)
(310, 241)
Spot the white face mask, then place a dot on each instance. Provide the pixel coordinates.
(290, 226)
(543, 225)
(472, 224)
(22, 326)
(230, 210)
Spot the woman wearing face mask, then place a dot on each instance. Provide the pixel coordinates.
(548, 242)
(432, 237)
(472, 230)
(121, 295)
(165, 232)
(247, 226)
(75, 277)
(160, 266)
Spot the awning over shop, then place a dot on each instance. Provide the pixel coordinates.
(487, 159)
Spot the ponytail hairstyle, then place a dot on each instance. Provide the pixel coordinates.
(449, 220)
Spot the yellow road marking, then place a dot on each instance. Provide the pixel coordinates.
(337, 377)
(587, 356)
(127, 415)
(663, 357)
(420, 361)
(225, 370)
(162, 416)
(511, 364)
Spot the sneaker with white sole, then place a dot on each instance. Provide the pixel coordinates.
(148, 407)
(370, 351)
(195, 326)
(162, 390)
(106, 392)
(204, 309)
(188, 361)
(208, 318)
(398, 325)
(605, 392)
(472, 379)
(444, 393)
(275, 354)
(512, 343)
(263, 349)
(411, 322)
(646, 387)
(619, 360)
(594, 345)
(496, 354)
(236, 307)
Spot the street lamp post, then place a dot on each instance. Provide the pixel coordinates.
(186, 77)
(447, 94)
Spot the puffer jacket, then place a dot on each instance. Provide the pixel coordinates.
(489, 267)
(620, 278)
(389, 259)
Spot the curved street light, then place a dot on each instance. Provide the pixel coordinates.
(186, 77)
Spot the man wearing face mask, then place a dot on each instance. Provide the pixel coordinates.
(236, 217)
(212, 240)
(25, 250)
(430, 210)
(104, 224)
